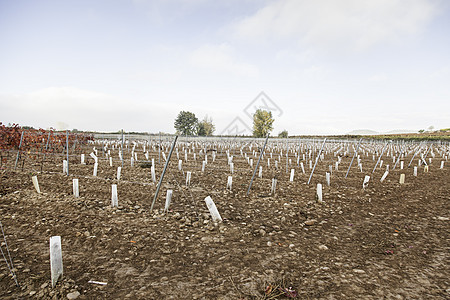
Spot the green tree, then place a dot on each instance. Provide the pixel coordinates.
(206, 127)
(283, 134)
(186, 123)
(262, 123)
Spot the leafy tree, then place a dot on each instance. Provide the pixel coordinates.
(421, 131)
(186, 123)
(283, 134)
(206, 127)
(262, 123)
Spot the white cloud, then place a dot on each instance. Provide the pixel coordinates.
(221, 58)
(289, 54)
(70, 107)
(160, 77)
(315, 72)
(378, 77)
(85, 110)
(442, 72)
(348, 24)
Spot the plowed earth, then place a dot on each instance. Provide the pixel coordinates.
(387, 241)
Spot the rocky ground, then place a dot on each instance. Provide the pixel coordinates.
(388, 241)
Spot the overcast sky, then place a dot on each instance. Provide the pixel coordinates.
(325, 66)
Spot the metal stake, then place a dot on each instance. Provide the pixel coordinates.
(379, 158)
(414, 155)
(45, 152)
(287, 155)
(18, 151)
(159, 148)
(425, 156)
(67, 150)
(354, 154)
(121, 148)
(398, 159)
(164, 172)
(317, 159)
(10, 266)
(257, 164)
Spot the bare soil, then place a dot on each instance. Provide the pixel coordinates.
(388, 241)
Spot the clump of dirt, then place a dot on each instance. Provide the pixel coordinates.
(386, 241)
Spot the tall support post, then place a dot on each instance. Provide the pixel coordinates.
(287, 155)
(398, 159)
(45, 152)
(354, 154)
(425, 156)
(164, 172)
(121, 148)
(159, 149)
(10, 265)
(257, 164)
(18, 151)
(317, 159)
(67, 151)
(414, 155)
(379, 158)
(149, 142)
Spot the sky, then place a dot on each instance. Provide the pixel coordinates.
(321, 67)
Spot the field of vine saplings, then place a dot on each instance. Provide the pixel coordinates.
(322, 219)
